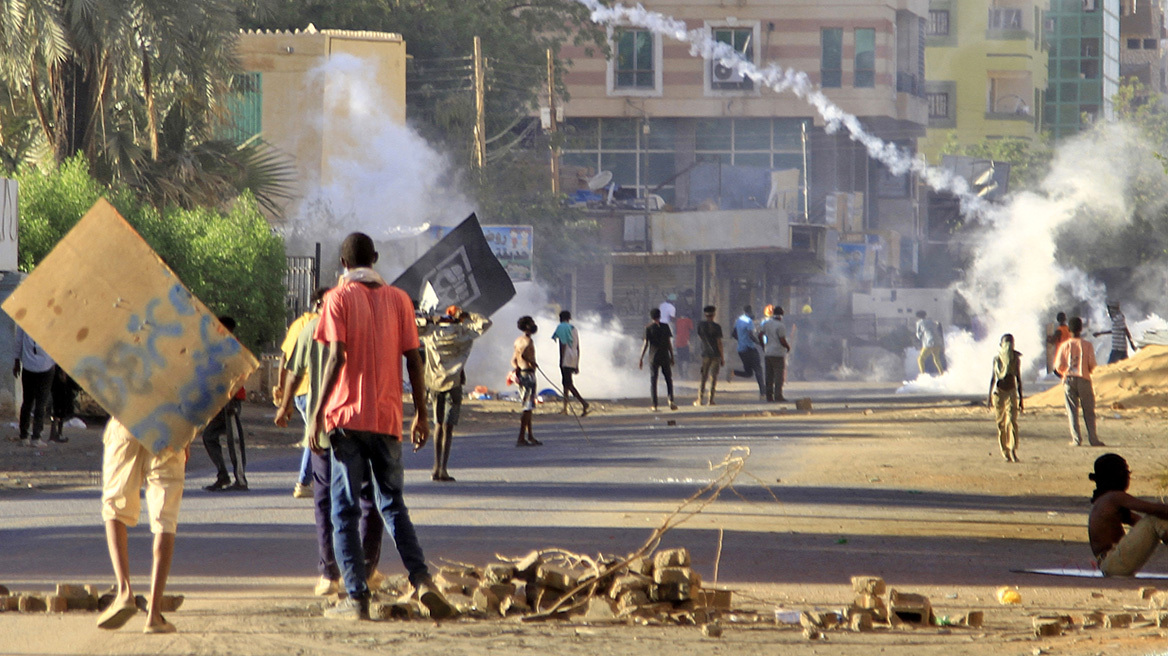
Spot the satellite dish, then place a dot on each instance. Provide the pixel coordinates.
(600, 180)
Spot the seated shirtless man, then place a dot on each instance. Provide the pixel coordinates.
(1121, 554)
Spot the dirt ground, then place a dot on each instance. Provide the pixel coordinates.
(937, 448)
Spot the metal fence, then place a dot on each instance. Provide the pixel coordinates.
(301, 279)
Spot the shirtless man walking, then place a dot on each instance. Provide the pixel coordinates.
(523, 366)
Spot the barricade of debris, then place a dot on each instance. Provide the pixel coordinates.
(70, 596)
(659, 588)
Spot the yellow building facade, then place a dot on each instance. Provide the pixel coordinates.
(985, 70)
(287, 89)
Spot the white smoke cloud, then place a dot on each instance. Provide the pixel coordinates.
(1013, 279)
(608, 362)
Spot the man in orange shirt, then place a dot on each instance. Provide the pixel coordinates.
(1074, 362)
(369, 327)
(1057, 333)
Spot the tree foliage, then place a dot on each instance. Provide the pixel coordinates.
(230, 258)
(1029, 160)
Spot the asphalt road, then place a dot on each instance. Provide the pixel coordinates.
(600, 491)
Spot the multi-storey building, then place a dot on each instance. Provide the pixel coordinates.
(758, 195)
(1084, 64)
(986, 71)
(1141, 40)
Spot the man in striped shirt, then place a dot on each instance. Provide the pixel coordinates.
(1120, 336)
(1074, 362)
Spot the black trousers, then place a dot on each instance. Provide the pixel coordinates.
(666, 370)
(227, 422)
(37, 387)
(776, 366)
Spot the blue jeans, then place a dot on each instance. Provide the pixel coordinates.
(370, 527)
(358, 456)
(305, 475)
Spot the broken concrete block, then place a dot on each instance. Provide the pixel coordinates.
(909, 608)
(4, 592)
(1146, 592)
(32, 604)
(712, 630)
(498, 572)
(974, 619)
(631, 601)
(803, 404)
(872, 604)
(459, 570)
(861, 621)
(485, 600)
(641, 565)
(461, 602)
(1117, 620)
(672, 592)
(666, 575)
(56, 603)
(811, 633)
(868, 585)
(719, 598)
(513, 605)
(502, 590)
(557, 578)
(600, 609)
(1158, 599)
(68, 590)
(1046, 628)
(671, 558)
(808, 619)
(452, 583)
(628, 583)
(528, 565)
(94, 590)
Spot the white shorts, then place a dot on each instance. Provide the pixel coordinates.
(126, 465)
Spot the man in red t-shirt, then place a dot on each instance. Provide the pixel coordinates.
(369, 327)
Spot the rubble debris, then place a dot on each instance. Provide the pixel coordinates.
(1048, 626)
(909, 608)
(868, 585)
(861, 621)
(803, 404)
(1146, 592)
(712, 630)
(1117, 620)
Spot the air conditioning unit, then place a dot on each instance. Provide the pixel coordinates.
(726, 75)
(1088, 5)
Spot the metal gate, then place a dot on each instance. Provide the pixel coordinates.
(301, 279)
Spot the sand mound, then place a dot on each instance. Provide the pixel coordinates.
(1140, 381)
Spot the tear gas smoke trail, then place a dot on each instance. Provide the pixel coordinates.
(1014, 277)
(702, 44)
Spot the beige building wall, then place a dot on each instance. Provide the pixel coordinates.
(787, 32)
(294, 93)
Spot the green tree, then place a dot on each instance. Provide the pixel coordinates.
(1029, 159)
(229, 258)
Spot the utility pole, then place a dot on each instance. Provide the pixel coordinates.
(806, 177)
(480, 129)
(555, 151)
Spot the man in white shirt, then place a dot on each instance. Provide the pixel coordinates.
(668, 310)
(775, 350)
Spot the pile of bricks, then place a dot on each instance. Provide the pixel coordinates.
(874, 604)
(1051, 625)
(68, 596)
(657, 589)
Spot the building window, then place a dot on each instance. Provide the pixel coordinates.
(938, 23)
(865, 57)
(725, 78)
(245, 107)
(634, 60)
(1005, 18)
(1133, 44)
(1151, 44)
(938, 104)
(831, 59)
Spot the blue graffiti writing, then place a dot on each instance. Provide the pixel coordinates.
(198, 396)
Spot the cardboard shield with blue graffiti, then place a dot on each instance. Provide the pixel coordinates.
(110, 312)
